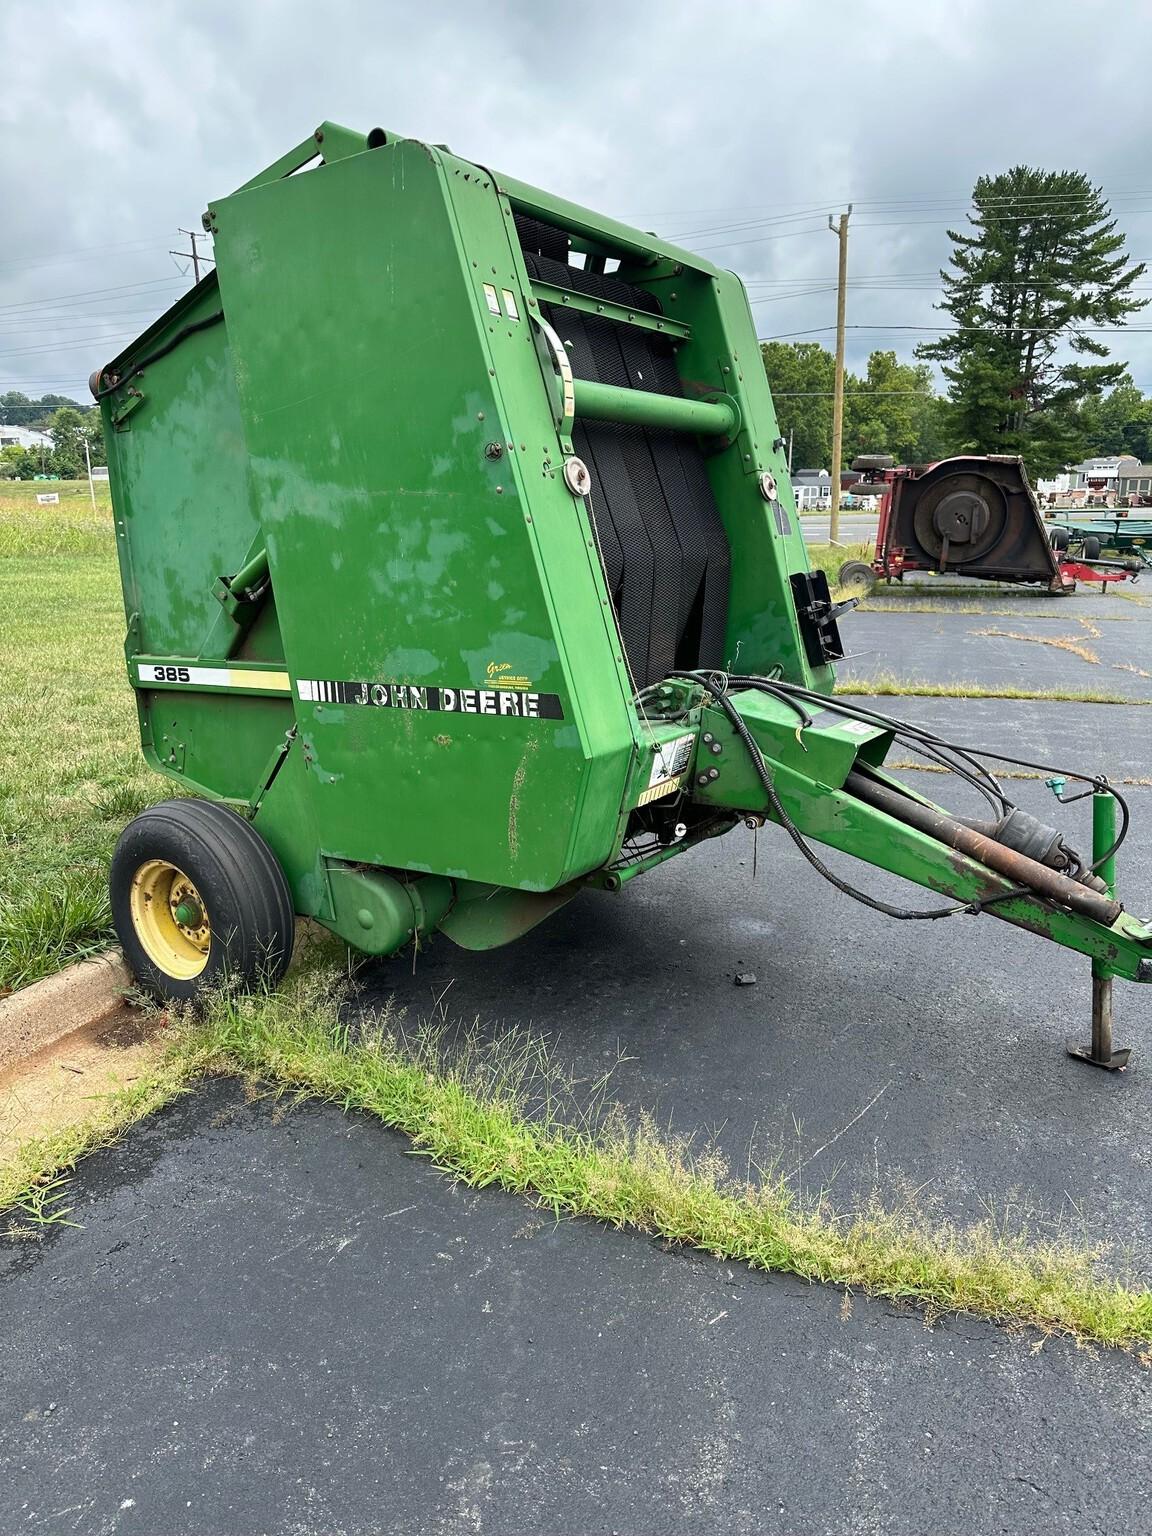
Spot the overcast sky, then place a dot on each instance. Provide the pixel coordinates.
(734, 127)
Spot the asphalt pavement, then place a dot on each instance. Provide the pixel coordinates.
(282, 1322)
(855, 528)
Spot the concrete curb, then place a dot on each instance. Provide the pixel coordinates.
(43, 1013)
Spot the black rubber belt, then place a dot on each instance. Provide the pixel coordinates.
(665, 553)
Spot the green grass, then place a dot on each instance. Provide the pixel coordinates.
(830, 557)
(71, 771)
(71, 527)
(502, 1115)
(885, 683)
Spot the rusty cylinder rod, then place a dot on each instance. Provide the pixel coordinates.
(1016, 867)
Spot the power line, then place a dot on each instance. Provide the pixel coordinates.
(852, 394)
(89, 293)
(891, 330)
(48, 261)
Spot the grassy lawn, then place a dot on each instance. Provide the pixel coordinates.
(71, 773)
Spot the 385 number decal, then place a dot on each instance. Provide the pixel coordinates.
(168, 674)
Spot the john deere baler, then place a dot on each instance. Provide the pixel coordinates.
(462, 572)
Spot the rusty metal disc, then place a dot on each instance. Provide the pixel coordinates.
(969, 511)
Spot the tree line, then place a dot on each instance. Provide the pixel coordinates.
(68, 425)
(1034, 290)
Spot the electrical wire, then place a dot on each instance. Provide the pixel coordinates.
(719, 692)
(904, 731)
(961, 760)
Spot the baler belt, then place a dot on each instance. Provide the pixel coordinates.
(664, 549)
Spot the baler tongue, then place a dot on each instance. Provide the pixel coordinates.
(815, 767)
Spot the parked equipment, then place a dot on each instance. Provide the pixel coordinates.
(1102, 548)
(974, 515)
(462, 573)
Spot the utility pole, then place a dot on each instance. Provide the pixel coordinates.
(91, 486)
(840, 230)
(193, 235)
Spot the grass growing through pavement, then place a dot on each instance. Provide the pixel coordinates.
(502, 1115)
(30, 1172)
(887, 684)
(71, 772)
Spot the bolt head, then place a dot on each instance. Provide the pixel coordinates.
(576, 476)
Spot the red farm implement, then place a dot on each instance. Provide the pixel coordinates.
(973, 516)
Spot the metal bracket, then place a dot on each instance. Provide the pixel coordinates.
(120, 415)
(554, 359)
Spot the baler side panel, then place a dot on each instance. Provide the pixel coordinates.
(402, 554)
(179, 471)
(178, 467)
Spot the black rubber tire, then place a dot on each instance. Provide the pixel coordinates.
(857, 573)
(873, 461)
(1090, 548)
(867, 488)
(1058, 539)
(243, 889)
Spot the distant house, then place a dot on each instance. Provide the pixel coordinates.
(811, 488)
(1135, 479)
(24, 437)
(1100, 476)
(99, 471)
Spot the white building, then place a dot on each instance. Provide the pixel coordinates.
(812, 488)
(24, 437)
(1058, 485)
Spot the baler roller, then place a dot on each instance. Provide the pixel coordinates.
(645, 408)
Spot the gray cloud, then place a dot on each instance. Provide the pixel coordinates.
(122, 121)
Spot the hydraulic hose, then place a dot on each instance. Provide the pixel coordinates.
(1046, 882)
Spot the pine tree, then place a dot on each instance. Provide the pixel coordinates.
(1041, 270)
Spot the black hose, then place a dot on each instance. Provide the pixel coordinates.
(903, 729)
(154, 357)
(720, 693)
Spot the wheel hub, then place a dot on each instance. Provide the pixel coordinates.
(170, 920)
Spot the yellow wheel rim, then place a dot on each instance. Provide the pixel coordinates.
(170, 919)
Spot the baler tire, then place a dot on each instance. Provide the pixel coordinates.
(1059, 539)
(1091, 547)
(857, 573)
(217, 864)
